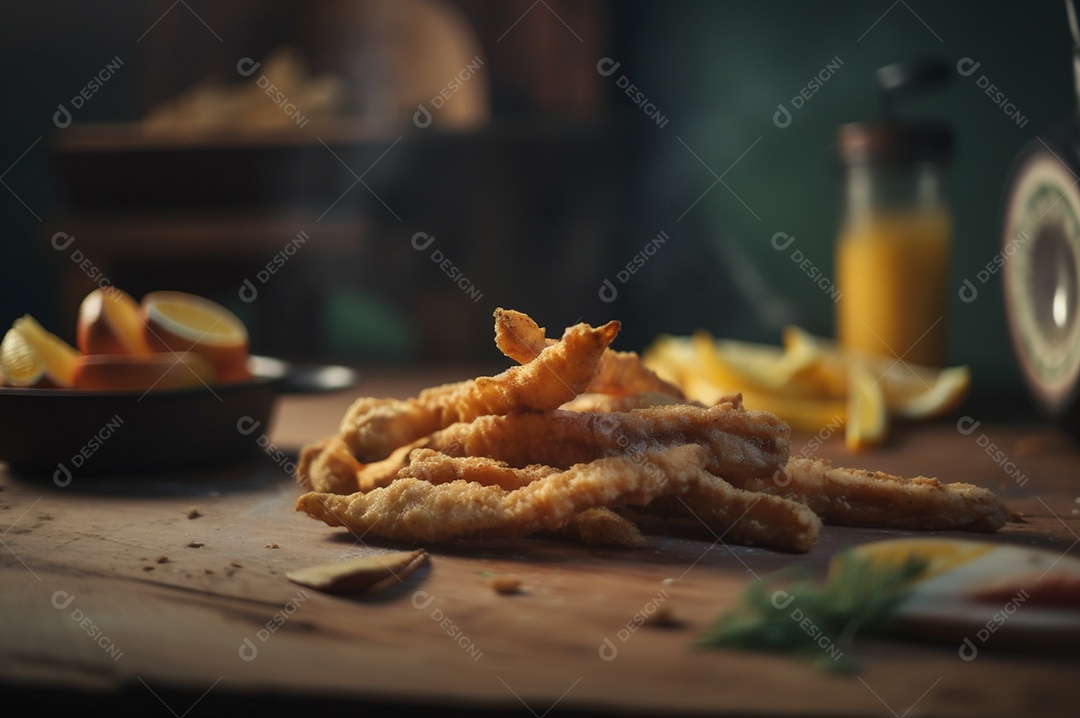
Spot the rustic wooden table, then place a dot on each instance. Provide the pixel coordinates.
(114, 597)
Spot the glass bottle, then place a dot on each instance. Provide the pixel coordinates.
(893, 248)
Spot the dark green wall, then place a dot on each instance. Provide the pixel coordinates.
(718, 70)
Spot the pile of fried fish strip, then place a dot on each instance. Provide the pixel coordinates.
(587, 442)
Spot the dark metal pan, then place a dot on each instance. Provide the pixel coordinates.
(68, 433)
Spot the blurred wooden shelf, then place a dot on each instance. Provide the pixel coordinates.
(203, 235)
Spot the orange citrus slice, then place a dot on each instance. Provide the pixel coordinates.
(124, 372)
(109, 323)
(181, 322)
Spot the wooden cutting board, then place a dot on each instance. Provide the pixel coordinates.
(110, 585)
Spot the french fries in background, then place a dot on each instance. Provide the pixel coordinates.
(810, 382)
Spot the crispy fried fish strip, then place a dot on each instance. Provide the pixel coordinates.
(743, 444)
(518, 336)
(596, 527)
(624, 373)
(373, 428)
(438, 468)
(851, 497)
(741, 517)
(620, 402)
(603, 527)
(327, 466)
(381, 473)
(620, 373)
(416, 510)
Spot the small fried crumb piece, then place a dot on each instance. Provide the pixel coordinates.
(363, 573)
(162, 559)
(235, 564)
(506, 585)
(148, 568)
(271, 545)
(195, 544)
(663, 618)
(193, 512)
(208, 571)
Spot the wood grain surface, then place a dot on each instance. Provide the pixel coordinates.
(112, 593)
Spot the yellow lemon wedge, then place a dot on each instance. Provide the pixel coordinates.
(867, 416)
(824, 358)
(32, 357)
(810, 381)
(940, 555)
(915, 392)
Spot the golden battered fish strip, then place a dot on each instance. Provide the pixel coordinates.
(417, 511)
(373, 428)
(518, 336)
(438, 468)
(328, 467)
(852, 497)
(625, 373)
(603, 527)
(742, 443)
(620, 373)
(607, 403)
(595, 527)
(742, 517)
(381, 473)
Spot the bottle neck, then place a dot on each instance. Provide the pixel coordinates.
(914, 188)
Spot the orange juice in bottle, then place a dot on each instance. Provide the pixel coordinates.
(892, 253)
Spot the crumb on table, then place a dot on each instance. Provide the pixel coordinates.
(505, 585)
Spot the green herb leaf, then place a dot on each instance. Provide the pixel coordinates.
(789, 613)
